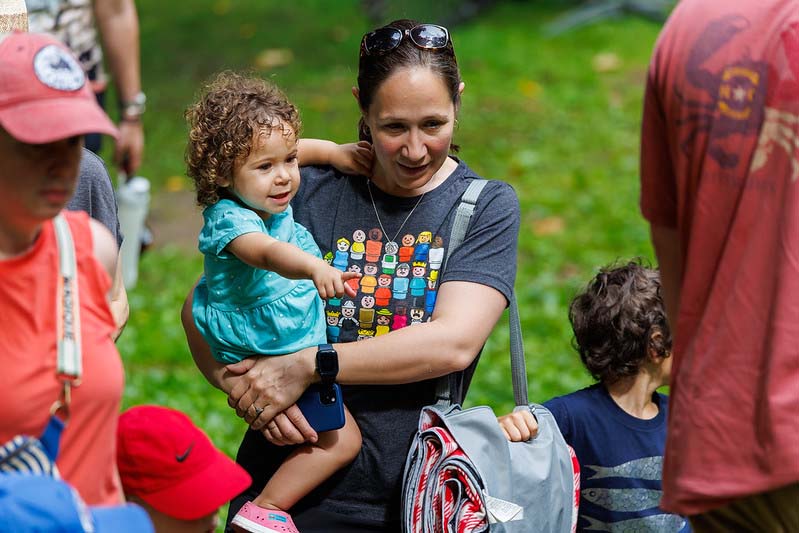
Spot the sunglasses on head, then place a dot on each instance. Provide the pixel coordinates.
(384, 40)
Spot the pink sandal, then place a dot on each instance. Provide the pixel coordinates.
(259, 520)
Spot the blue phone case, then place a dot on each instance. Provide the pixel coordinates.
(322, 407)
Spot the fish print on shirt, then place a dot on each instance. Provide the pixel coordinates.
(657, 523)
(624, 500)
(644, 468)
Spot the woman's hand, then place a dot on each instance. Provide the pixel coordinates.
(288, 427)
(263, 387)
(519, 426)
(353, 158)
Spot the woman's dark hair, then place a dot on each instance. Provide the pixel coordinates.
(373, 70)
(616, 320)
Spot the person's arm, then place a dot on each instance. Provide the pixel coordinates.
(120, 309)
(105, 248)
(118, 23)
(352, 158)
(259, 250)
(668, 250)
(448, 343)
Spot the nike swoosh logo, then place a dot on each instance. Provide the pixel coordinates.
(184, 455)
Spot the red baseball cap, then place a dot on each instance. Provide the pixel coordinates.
(44, 94)
(168, 462)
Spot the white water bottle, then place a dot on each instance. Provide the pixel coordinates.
(133, 198)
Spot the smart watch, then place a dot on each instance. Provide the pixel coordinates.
(327, 364)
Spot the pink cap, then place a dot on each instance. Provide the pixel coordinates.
(168, 462)
(44, 94)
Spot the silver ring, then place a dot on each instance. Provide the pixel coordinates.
(258, 411)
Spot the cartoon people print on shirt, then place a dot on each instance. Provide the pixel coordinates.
(422, 249)
(436, 255)
(400, 317)
(399, 289)
(369, 279)
(354, 283)
(358, 247)
(347, 323)
(366, 315)
(406, 250)
(383, 292)
(417, 283)
(383, 322)
(374, 246)
(341, 255)
(389, 263)
(333, 328)
(399, 285)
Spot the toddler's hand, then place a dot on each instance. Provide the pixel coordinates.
(353, 158)
(519, 426)
(329, 282)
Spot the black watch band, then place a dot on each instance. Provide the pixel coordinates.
(327, 364)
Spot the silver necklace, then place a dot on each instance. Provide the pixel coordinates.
(392, 243)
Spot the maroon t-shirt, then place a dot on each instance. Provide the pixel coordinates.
(720, 163)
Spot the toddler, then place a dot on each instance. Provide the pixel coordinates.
(617, 426)
(264, 274)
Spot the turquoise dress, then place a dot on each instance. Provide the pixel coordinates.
(243, 311)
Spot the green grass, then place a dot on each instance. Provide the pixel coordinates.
(535, 113)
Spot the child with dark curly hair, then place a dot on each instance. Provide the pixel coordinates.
(617, 426)
(264, 274)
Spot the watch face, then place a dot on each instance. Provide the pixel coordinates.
(327, 363)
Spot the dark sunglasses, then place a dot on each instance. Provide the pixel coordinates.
(384, 40)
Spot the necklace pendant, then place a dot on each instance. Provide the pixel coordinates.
(391, 247)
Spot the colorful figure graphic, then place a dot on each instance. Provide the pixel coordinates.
(400, 320)
(389, 263)
(417, 314)
(422, 249)
(347, 323)
(418, 284)
(340, 259)
(383, 322)
(333, 328)
(365, 334)
(354, 283)
(358, 238)
(374, 245)
(436, 253)
(383, 292)
(328, 258)
(406, 251)
(369, 281)
(399, 289)
(430, 298)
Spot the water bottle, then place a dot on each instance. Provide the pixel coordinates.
(133, 198)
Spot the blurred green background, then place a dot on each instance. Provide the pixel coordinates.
(557, 117)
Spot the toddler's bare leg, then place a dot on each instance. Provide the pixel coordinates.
(308, 466)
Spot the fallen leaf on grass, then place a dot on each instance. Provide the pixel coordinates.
(606, 62)
(274, 57)
(175, 183)
(529, 88)
(548, 226)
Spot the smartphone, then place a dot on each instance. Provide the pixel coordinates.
(323, 407)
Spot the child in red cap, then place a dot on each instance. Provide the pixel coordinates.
(172, 469)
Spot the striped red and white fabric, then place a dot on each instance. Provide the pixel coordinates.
(444, 490)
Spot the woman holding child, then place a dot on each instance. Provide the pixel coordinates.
(409, 92)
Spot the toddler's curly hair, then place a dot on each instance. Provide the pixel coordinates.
(614, 320)
(230, 110)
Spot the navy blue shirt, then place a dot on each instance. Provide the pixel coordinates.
(621, 460)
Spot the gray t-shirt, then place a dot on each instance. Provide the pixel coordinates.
(94, 194)
(397, 289)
